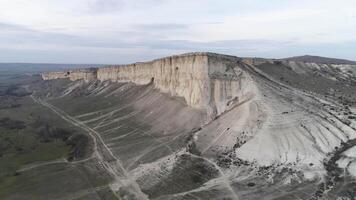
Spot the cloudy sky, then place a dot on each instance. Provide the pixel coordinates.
(124, 31)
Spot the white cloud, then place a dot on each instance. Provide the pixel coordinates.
(159, 24)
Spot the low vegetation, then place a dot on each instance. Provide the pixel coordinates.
(31, 135)
(7, 123)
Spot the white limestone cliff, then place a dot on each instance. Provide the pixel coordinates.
(204, 80)
(263, 120)
(76, 74)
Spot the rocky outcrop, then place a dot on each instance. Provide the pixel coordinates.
(205, 80)
(76, 74)
(185, 76)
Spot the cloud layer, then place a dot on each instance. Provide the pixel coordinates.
(122, 31)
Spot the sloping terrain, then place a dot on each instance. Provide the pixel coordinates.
(320, 60)
(226, 128)
(41, 155)
(121, 116)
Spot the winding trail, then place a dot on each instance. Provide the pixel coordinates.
(106, 158)
(59, 161)
(33, 166)
(224, 178)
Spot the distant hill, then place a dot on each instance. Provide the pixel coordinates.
(39, 67)
(319, 59)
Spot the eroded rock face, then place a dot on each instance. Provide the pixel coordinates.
(76, 74)
(251, 104)
(266, 121)
(206, 81)
(184, 76)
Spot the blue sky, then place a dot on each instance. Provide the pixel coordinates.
(124, 31)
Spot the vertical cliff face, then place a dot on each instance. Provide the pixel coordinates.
(89, 74)
(184, 76)
(229, 85)
(206, 81)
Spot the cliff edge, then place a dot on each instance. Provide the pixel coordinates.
(208, 81)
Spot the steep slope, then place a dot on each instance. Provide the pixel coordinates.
(204, 80)
(320, 60)
(300, 128)
(204, 125)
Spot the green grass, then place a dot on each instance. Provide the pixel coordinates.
(47, 182)
(23, 146)
(30, 135)
(12, 161)
(26, 145)
(56, 181)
